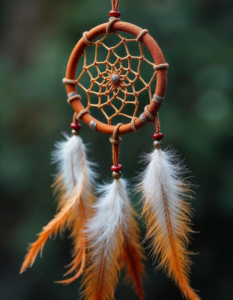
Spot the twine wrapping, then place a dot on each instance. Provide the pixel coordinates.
(148, 114)
(69, 81)
(110, 23)
(161, 66)
(89, 43)
(72, 98)
(133, 124)
(82, 113)
(139, 37)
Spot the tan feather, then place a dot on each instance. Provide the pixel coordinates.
(105, 232)
(73, 186)
(59, 222)
(78, 235)
(168, 216)
(173, 255)
(59, 191)
(133, 254)
(101, 276)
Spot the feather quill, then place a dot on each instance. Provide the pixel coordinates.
(164, 192)
(133, 253)
(74, 186)
(105, 232)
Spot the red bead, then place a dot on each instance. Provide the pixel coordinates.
(75, 126)
(157, 136)
(114, 13)
(116, 168)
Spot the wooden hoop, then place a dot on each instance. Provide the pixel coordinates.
(152, 46)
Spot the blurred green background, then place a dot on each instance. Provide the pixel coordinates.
(37, 37)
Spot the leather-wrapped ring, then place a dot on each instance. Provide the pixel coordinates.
(157, 56)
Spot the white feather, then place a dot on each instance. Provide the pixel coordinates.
(127, 209)
(74, 186)
(70, 155)
(167, 214)
(109, 216)
(105, 232)
(163, 175)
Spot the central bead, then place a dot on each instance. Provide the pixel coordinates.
(115, 78)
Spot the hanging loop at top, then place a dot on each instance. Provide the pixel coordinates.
(115, 4)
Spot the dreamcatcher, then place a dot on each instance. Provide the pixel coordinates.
(104, 231)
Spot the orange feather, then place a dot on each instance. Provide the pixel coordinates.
(79, 252)
(167, 213)
(105, 232)
(133, 256)
(59, 222)
(101, 276)
(80, 242)
(59, 191)
(73, 186)
(173, 255)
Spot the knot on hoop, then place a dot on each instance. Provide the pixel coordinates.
(148, 114)
(133, 124)
(72, 96)
(82, 113)
(157, 99)
(115, 138)
(112, 20)
(115, 142)
(161, 66)
(69, 81)
(89, 43)
(147, 117)
(139, 37)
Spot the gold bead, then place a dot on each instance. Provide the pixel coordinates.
(157, 144)
(74, 132)
(116, 175)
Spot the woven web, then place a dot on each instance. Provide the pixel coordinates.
(115, 91)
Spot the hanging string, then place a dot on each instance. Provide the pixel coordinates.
(116, 140)
(114, 15)
(115, 4)
(75, 121)
(157, 123)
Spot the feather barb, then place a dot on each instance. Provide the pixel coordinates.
(105, 232)
(58, 223)
(168, 216)
(133, 254)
